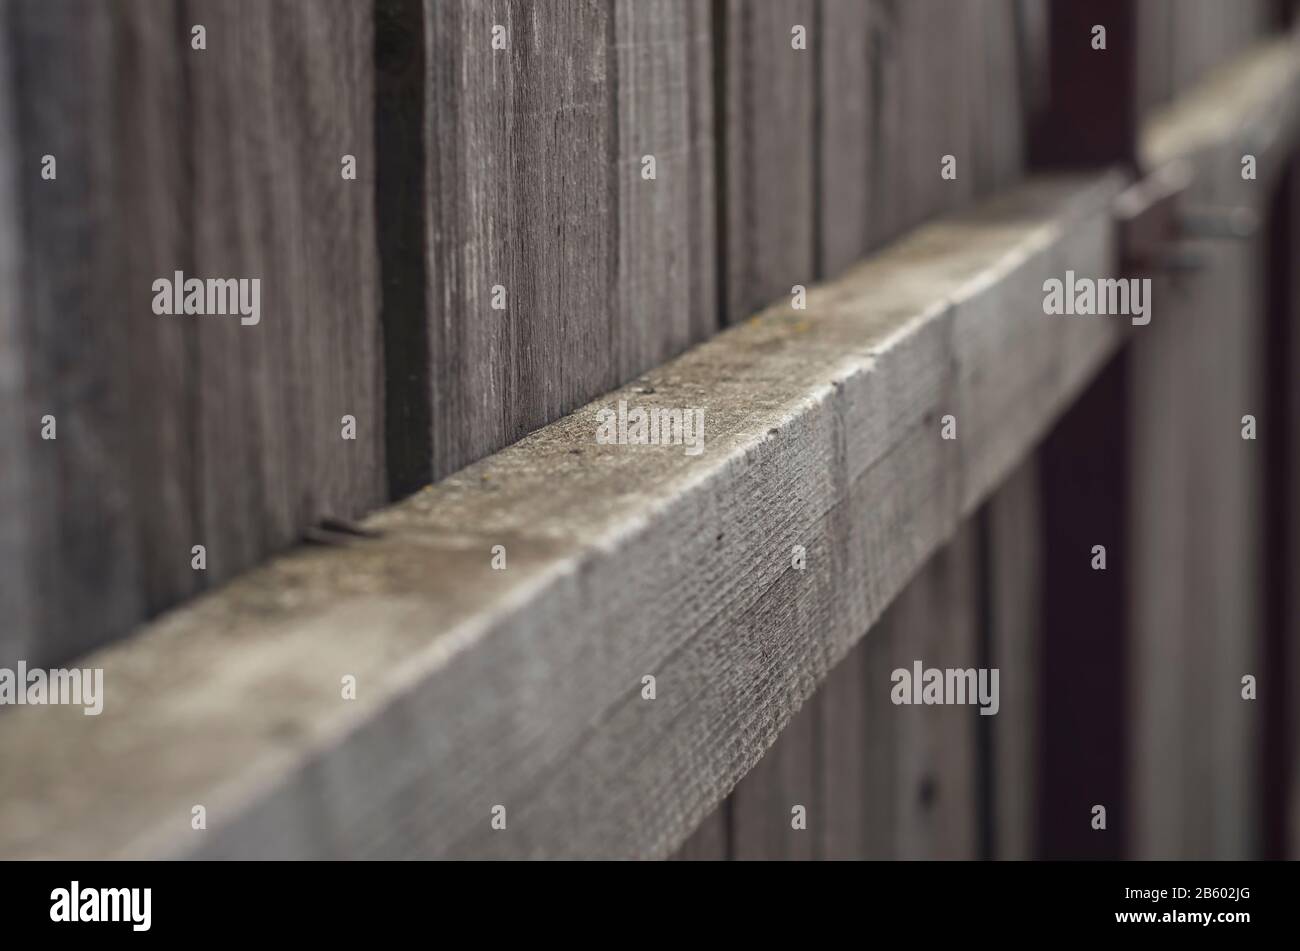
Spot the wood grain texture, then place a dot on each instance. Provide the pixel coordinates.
(902, 85)
(534, 165)
(825, 435)
(769, 153)
(282, 92)
(665, 296)
(173, 430)
(1014, 573)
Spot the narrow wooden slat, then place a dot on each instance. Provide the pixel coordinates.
(282, 92)
(665, 284)
(768, 166)
(78, 569)
(520, 146)
(1196, 492)
(769, 98)
(18, 419)
(901, 86)
(535, 186)
(1014, 573)
(936, 757)
(762, 805)
(847, 811)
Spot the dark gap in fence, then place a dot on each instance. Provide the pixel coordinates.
(1281, 420)
(721, 179)
(1082, 741)
(400, 200)
(986, 817)
(1093, 115)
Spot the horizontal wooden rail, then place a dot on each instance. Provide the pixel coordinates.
(522, 688)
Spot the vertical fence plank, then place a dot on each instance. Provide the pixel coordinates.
(769, 98)
(762, 804)
(844, 758)
(1196, 566)
(1015, 600)
(282, 92)
(900, 86)
(174, 431)
(935, 621)
(74, 321)
(535, 186)
(665, 284)
(520, 143)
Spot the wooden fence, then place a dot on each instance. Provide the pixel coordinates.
(566, 201)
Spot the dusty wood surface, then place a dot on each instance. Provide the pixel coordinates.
(479, 687)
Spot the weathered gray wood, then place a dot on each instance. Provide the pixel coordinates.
(520, 143)
(936, 621)
(768, 148)
(900, 782)
(74, 568)
(175, 431)
(281, 93)
(18, 421)
(665, 295)
(845, 812)
(824, 433)
(1196, 483)
(534, 157)
(901, 86)
(1015, 552)
(785, 779)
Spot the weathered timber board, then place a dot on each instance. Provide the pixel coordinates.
(177, 431)
(479, 687)
(534, 185)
